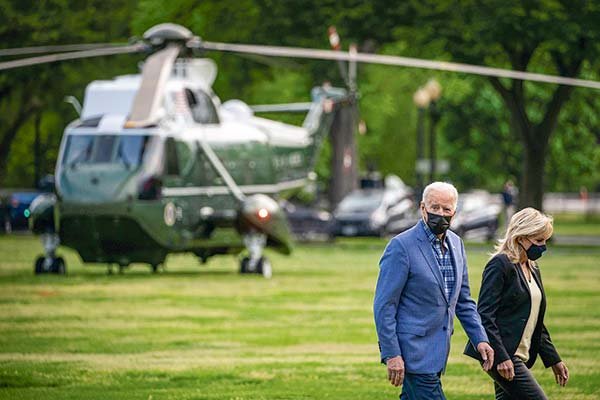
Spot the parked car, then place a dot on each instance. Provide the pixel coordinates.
(18, 209)
(365, 212)
(306, 223)
(402, 217)
(14, 205)
(477, 215)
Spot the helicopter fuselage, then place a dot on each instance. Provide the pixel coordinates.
(128, 195)
(201, 178)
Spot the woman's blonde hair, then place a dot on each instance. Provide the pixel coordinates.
(525, 223)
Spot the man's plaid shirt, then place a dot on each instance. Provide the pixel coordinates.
(444, 260)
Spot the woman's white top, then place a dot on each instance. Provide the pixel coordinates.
(536, 300)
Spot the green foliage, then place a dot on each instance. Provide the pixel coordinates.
(474, 136)
(38, 91)
(387, 108)
(574, 156)
(476, 132)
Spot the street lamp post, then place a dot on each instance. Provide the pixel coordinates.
(421, 99)
(434, 90)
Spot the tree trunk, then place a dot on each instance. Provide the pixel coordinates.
(344, 171)
(532, 176)
(9, 136)
(535, 137)
(8, 131)
(37, 163)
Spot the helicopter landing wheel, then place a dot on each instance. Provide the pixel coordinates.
(53, 266)
(245, 265)
(262, 267)
(39, 265)
(58, 266)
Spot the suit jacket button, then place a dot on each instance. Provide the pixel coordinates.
(444, 328)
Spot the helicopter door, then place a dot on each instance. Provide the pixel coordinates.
(178, 162)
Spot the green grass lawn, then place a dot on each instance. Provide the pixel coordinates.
(577, 224)
(197, 332)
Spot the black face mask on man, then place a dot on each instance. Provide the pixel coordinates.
(438, 224)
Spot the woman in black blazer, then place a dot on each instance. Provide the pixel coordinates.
(512, 304)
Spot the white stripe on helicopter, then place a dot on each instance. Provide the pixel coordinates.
(219, 190)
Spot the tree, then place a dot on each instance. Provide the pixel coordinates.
(31, 92)
(552, 36)
(547, 36)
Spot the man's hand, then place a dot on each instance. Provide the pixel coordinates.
(395, 367)
(506, 369)
(487, 355)
(561, 373)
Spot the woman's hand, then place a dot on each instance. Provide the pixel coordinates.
(561, 373)
(506, 369)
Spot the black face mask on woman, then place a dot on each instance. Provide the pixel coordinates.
(534, 251)
(438, 223)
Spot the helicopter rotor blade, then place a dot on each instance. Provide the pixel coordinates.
(24, 62)
(299, 52)
(57, 48)
(155, 73)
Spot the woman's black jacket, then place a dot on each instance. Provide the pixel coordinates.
(504, 305)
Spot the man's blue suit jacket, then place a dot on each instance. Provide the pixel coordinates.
(413, 317)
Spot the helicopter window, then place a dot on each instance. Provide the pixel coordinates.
(131, 149)
(104, 149)
(78, 149)
(95, 149)
(172, 164)
(202, 107)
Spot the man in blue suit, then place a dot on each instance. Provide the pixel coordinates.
(423, 282)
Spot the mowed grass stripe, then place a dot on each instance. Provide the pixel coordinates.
(198, 332)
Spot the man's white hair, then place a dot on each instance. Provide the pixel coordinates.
(440, 187)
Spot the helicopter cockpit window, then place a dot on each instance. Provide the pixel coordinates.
(104, 149)
(96, 149)
(202, 107)
(78, 149)
(131, 149)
